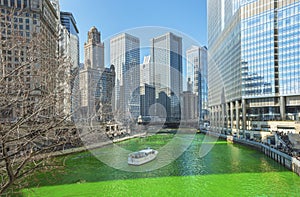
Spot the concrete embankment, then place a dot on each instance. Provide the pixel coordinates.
(289, 162)
(91, 147)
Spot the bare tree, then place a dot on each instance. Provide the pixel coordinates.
(33, 122)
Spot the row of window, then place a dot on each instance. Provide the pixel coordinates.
(26, 14)
(289, 77)
(16, 3)
(263, 18)
(257, 41)
(289, 32)
(289, 11)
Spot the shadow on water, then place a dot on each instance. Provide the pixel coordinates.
(224, 158)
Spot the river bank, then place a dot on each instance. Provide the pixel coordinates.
(191, 174)
(93, 146)
(285, 160)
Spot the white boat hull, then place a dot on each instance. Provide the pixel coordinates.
(142, 160)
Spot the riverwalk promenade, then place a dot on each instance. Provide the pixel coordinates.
(90, 147)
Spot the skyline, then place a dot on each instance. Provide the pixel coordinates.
(205, 117)
(114, 18)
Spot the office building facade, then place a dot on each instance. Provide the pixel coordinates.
(196, 60)
(254, 64)
(125, 56)
(104, 89)
(147, 99)
(91, 72)
(166, 58)
(147, 71)
(69, 51)
(69, 23)
(189, 103)
(29, 40)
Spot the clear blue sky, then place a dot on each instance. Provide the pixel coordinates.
(114, 16)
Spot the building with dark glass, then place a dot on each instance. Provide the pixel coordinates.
(254, 69)
(125, 56)
(166, 58)
(147, 99)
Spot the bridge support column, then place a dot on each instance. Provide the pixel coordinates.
(237, 114)
(231, 116)
(244, 117)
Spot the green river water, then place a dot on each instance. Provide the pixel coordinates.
(227, 170)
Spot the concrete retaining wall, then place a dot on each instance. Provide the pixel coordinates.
(289, 162)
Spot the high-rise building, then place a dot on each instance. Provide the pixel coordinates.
(254, 70)
(56, 6)
(189, 103)
(147, 71)
(69, 50)
(166, 57)
(147, 89)
(68, 21)
(28, 41)
(104, 89)
(90, 74)
(125, 56)
(147, 99)
(196, 60)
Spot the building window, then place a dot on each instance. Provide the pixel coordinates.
(19, 4)
(25, 4)
(12, 3)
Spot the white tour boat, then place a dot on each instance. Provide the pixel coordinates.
(142, 156)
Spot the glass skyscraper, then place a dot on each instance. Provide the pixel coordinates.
(125, 56)
(196, 58)
(166, 57)
(254, 65)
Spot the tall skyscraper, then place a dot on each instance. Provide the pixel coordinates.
(69, 50)
(125, 56)
(90, 74)
(166, 55)
(68, 22)
(196, 59)
(254, 68)
(147, 71)
(28, 41)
